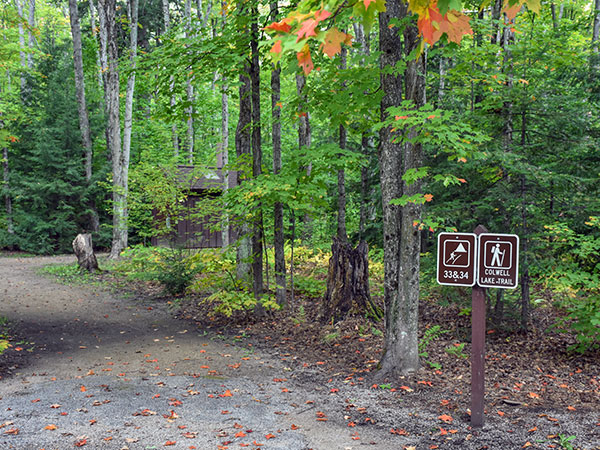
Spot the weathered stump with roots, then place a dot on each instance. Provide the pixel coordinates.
(348, 283)
(82, 246)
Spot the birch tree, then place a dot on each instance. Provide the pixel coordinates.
(84, 123)
(119, 155)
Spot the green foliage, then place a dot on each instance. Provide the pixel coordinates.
(4, 334)
(177, 272)
(575, 274)
(67, 273)
(309, 286)
(430, 335)
(457, 350)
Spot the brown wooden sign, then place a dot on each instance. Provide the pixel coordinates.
(498, 261)
(456, 259)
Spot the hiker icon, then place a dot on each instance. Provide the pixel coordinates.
(457, 256)
(498, 255)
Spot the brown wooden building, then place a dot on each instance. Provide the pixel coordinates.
(191, 231)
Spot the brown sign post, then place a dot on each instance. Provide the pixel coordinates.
(481, 260)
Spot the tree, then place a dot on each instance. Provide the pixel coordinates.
(84, 122)
(119, 155)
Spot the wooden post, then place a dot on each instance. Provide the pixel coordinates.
(477, 349)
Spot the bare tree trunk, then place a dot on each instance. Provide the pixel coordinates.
(6, 188)
(442, 86)
(166, 15)
(84, 123)
(22, 48)
(257, 235)
(278, 231)
(401, 237)
(223, 162)
(95, 36)
(31, 38)
(174, 133)
(596, 37)
(243, 146)
(107, 10)
(304, 139)
(342, 233)
(189, 90)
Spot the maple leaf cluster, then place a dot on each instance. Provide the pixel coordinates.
(435, 19)
(294, 31)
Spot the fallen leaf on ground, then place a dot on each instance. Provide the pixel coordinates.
(50, 427)
(446, 418)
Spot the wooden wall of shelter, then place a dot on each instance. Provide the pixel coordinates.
(189, 231)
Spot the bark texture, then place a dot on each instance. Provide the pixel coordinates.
(107, 9)
(401, 237)
(278, 235)
(82, 246)
(84, 122)
(257, 234)
(348, 283)
(243, 147)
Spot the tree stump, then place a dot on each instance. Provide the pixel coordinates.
(348, 283)
(82, 246)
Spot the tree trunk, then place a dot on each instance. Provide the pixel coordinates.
(94, 34)
(348, 283)
(6, 186)
(189, 90)
(174, 133)
(596, 37)
(84, 122)
(243, 146)
(257, 234)
(30, 37)
(111, 85)
(223, 160)
(401, 237)
(342, 233)
(278, 235)
(304, 140)
(22, 53)
(82, 246)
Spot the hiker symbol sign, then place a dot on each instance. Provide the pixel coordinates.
(498, 262)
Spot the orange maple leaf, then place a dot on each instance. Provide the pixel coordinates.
(168, 443)
(307, 29)
(333, 40)
(281, 26)
(305, 60)
(50, 427)
(367, 3)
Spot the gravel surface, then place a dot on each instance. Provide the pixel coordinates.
(100, 370)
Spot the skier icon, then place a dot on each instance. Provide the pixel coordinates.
(454, 255)
(497, 256)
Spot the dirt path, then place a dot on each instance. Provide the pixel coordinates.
(108, 372)
(116, 373)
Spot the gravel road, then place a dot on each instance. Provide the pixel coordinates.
(111, 372)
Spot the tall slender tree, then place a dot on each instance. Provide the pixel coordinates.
(278, 231)
(84, 122)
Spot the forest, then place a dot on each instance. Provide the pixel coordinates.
(320, 124)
